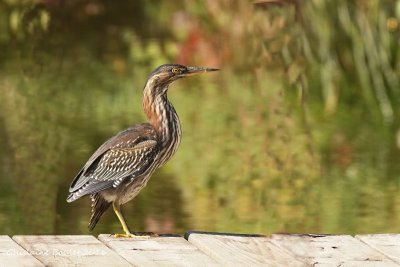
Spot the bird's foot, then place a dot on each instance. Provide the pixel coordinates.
(130, 235)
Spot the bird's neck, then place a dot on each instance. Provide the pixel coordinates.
(163, 117)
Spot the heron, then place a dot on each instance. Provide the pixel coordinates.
(120, 168)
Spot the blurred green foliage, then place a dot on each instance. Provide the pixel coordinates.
(298, 132)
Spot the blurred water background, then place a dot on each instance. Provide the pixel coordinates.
(299, 132)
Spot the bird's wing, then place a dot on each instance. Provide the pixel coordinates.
(128, 154)
(118, 163)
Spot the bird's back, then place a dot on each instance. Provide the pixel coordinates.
(125, 156)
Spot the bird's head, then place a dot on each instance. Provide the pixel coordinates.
(165, 74)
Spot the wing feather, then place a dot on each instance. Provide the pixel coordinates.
(119, 163)
(127, 155)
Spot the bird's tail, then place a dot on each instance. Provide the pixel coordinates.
(99, 206)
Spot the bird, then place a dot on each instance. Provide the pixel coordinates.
(120, 168)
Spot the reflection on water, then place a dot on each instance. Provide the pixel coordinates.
(251, 160)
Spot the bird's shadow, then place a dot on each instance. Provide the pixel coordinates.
(188, 233)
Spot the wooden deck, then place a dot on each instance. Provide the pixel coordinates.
(201, 249)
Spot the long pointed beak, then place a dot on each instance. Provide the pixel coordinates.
(194, 70)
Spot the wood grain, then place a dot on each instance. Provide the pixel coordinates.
(11, 254)
(332, 250)
(236, 250)
(158, 251)
(66, 250)
(387, 244)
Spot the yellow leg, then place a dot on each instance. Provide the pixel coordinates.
(127, 233)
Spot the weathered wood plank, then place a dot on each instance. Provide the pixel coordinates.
(66, 250)
(158, 251)
(241, 250)
(388, 244)
(203, 249)
(332, 250)
(11, 254)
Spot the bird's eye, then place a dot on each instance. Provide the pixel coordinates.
(176, 70)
